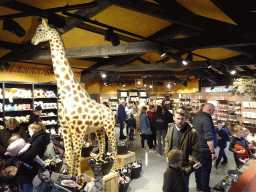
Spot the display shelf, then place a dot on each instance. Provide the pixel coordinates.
(20, 95)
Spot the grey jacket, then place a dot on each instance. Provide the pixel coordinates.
(204, 126)
(189, 143)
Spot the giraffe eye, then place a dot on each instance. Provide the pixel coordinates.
(40, 30)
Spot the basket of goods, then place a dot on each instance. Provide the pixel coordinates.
(122, 147)
(106, 162)
(54, 164)
(125, 171)
(136, 169)
(123, 183)
(86, 149)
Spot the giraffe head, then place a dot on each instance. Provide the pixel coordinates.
(43, 33)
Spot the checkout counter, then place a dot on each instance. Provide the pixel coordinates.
(241, 180)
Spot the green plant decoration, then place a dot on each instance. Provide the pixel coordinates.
(244, 85)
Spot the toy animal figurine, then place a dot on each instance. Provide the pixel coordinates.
(78, 113)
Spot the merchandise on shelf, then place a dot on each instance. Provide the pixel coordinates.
(17, 93)
(39, 93)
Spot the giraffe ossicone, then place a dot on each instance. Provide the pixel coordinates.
(78, 114)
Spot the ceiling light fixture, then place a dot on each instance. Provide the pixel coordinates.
(13, 27)
(188, 59)
(212, 87)
(232, 70)
(161, 51)
(113, 37)
(209, 65)
(103, 75)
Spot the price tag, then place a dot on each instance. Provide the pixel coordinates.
(97, 169)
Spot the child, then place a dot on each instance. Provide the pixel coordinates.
(18, 146)
(131, 124)
(238, 146)
(174, 176)
(11, 170)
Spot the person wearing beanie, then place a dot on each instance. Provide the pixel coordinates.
(35, 115)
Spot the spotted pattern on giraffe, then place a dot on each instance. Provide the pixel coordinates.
(86, 114)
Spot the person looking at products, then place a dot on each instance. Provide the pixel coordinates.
(145, 131)
(238, 146)
(35, 115)
(161, 121)
(122, 118)
(181, 135)
(249, 143)
(204, 126)
(151, 113)
(131, 124)
(39, 141)
(129, 111)
(174, 176)
(222, 142)
(18, 146)
(11, 126)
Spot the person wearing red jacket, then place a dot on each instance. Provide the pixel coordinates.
(151, 113)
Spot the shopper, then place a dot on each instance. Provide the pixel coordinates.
(175, 174)
(168, 114)
(222, 139)
(35, 115)
(203, 123)
(122, 118)
(145, 131)
(238, 146)
(161, 130)
(11, 126)
(151, 113)
(18, 146)
(39, 141)
(131, 125)
(128, 111)
(181, 135)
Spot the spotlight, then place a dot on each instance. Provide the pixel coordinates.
(212, 87)
(56, 21)
(209, 65)
(13, 27)
(188, 59)
(113, 37)
(103, 75)
(232, 70)
(227, 86)
(161, 51)
(223, 69)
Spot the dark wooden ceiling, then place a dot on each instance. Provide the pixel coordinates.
(216, 32)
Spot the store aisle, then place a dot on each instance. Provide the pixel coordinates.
(154, 166)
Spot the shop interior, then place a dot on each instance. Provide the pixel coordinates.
(146, 52)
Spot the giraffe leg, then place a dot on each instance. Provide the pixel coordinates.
(77, 147)
(100, 134)
(110, 131)
(68, 149)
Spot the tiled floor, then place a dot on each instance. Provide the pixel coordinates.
(154, 166)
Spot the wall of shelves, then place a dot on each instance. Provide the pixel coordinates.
(18, 99)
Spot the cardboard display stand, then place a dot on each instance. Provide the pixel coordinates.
(123, 160)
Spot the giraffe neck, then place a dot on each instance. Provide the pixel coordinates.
(66, 79)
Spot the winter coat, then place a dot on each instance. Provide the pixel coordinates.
(121, 113)
(39, 142)
(174, 179)
(223, 133)
(169, 118)
(151, 118)
(204, 126)
(189, 143)
(239, 142)
(160, 119)
(131, 123)
(145, 125)
(5, 135)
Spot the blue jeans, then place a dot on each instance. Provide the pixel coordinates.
(221, 154)
(186, 181)
(27, 187)
(160, 135)
(203, 173)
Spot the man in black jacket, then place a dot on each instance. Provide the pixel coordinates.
(11, 126)
(203, 123)
(182, 136)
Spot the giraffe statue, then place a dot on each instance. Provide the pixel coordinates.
(78, 114)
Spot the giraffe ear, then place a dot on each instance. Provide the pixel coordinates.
(44, 23)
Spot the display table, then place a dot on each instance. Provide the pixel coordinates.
(111, 181)
(123, 160)
(247, 181)
(84, 165)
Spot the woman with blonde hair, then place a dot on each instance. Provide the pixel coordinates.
(39, 141)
